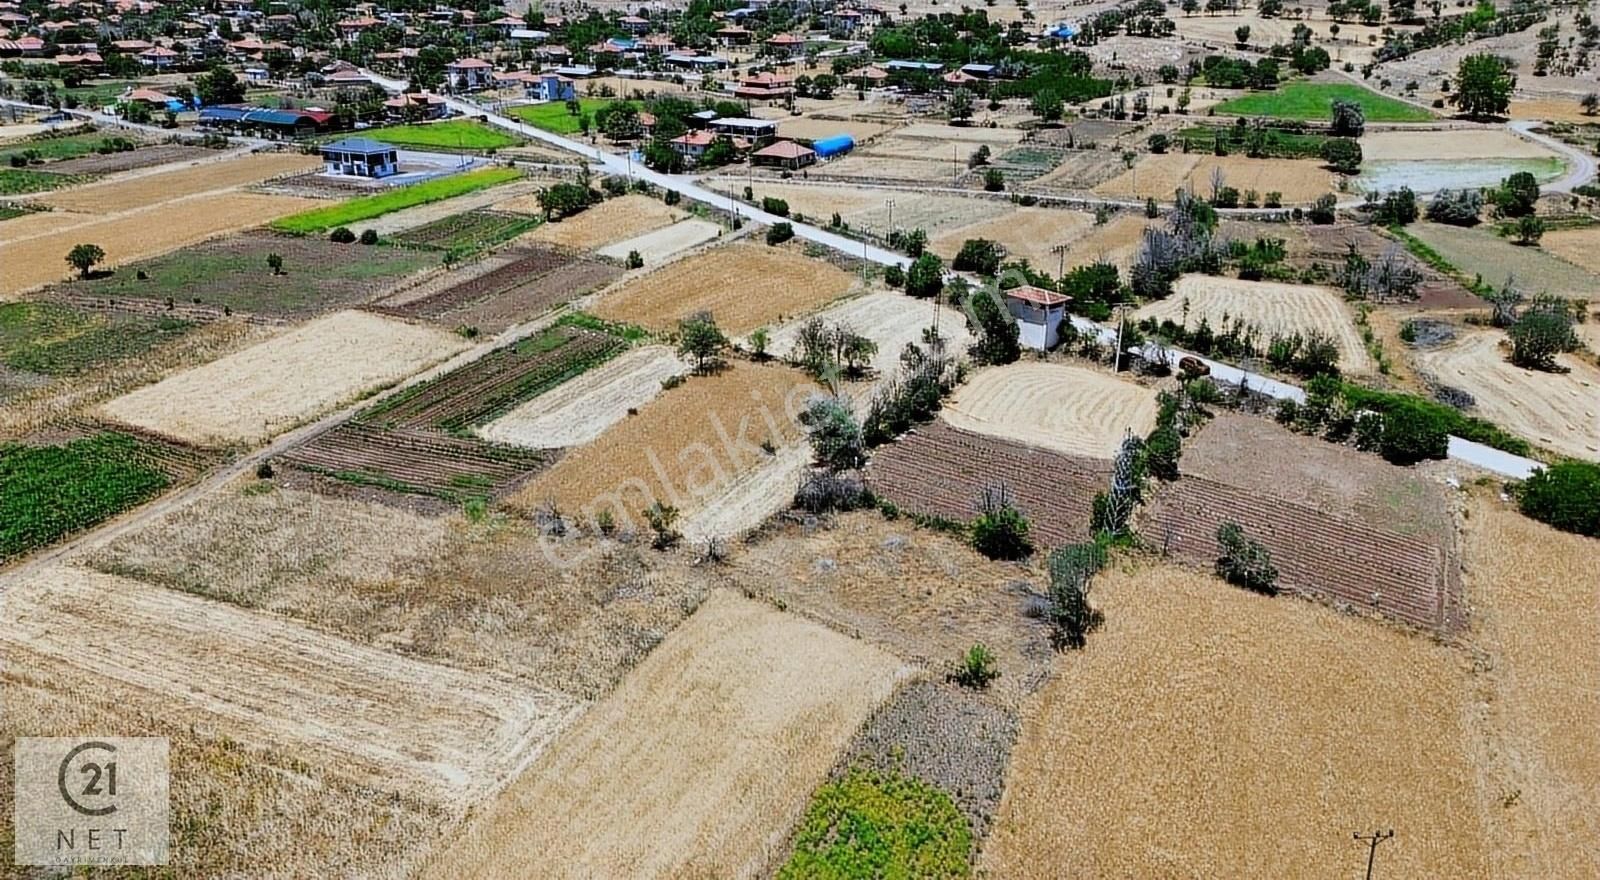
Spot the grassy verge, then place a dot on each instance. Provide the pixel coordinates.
(1435, 260)
(20, 181)
(554, 116)
(1455, 422)
(52, 147)
(1314, 101)
(455, 134)
(368, 207)
(880, 825)
(48, 492)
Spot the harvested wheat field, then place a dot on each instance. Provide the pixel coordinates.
(427, 730)
(743, 286)
(1210, 731)
(610, 221)
(892, 320)
(816, 129)
(1074, 410)
(1489, 143)
(658, 246)
(35, 223)
(896, 168)
(1159, 175)
(1272, 307)
(41, 258)
(1560, 411)
(683, 449)
(1580, 247)
(1537, 597)
(254, 394)
(810, 199)
(146, 190)
(1116, 243)
(752, 496)
(1030, 234)
(696, 765)
(580, 409)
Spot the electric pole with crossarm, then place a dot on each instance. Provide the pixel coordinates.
(1372, 840)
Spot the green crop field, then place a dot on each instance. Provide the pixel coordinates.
(555, 117)
(463, 235)
(1314, 101)
(70, 146)
(455, 134)
(19, 181)
(48, 492)
(368, 207)
(872, 824)
(57, 340)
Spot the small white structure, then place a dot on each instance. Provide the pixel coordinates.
(361, 157)
(1039, 314)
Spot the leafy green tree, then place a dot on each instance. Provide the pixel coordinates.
(85, 257)
(1539, 335)
(925, 278)
(1412, 432)
(1046, 105)
(978, 255)
(994, 180)
(1564, 495)
(1342, 155)
(1071, 616)
(220, 85)
(563, 200)
(999, 340)
(1000, 530)
(1517, 195)
(836, 439)
(699, 337)
(275, 263)
(1243, 561)
(1483, 85)
(1529, 230)
(1349, 120)
(961, 105)
(620, 122)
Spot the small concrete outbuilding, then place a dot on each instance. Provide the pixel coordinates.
(362, 157)
(1039, 314)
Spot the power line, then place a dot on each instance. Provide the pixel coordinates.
(1372, 840)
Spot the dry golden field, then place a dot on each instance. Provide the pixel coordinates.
(743, 286)
(899, 168)
(1116, 243)
(1030, 234)
(580, 409)
(1207, 731)
(889, 318)
(1075, 410)
(698, 763)
(264, 390)
(814, 129)
(146, 190)
(136, 235)
(1270, 306)
(1159, 175)
(683, 448)
(1560, 411)
(1580, 247)
(1537, 599)
(659, 245)
(610, 221)
(40, 222)
(1489, 143)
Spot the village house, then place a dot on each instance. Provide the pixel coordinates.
(1038, 313)
(469, 74)
(787, 155)
(360, 157)
(786, 46)
(764, 86)
(158, 57)
(414, 106)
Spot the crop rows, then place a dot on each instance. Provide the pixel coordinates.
(50, 491)
(536, 262)
(467, 229)
(417, 461)
(1401, 577)
(937, 470)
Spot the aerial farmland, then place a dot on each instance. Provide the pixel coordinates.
(1107, 439)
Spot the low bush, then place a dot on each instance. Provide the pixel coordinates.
(1000, 530)
(779, 233)
(1070, 615)
(1242, 561)
(1566, 496)
(342, 235)
(976, 668)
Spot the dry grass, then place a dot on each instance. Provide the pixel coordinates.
(610, 221)
(743, 286)
(137, 235)
(1074, 410)
(1160, 175)
(1494, 143)
(266, 389)
(874, 167)
(1221, 733)
(1560, 411)
(816, 129)
(658, 246)
(39, 223)
(890, 319)
(1116, 243)
(1030, 234)
(696, 765)
(579, 410)
(426, 730)
(1551, 110)
(1536, 598)
(147, 190)
(1580, 247)
(683, 449)
(1272, 307)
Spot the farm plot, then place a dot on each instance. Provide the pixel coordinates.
(28, 224)
(1580, 247)
(938, 470)
(892, 320)
(579, 410)
(1234, 713)
(468, 233)
(1277, 309)
(662, 244)
(532, 280)
(454, 134)
(1030, 234)
(922, 595)
(136, 235)
(284, 381)
(811, 129)
(398, 724)
(683, 449)
(114, 197)
(53, 339)
(961, 134)
(744, 286)
(883, 168)
(809, 199)
(1074, 410)
(1339, 560)
(1314, 101)
(707, 751)
(1482, 253)
(232, 273)
(1486, 143)
(144, 157)
(1560, 411)
(1116, 243)
(610, 221)
(1159, 175)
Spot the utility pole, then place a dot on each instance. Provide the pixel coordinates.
(890, 203)
(1116, 358)
(1372, 840)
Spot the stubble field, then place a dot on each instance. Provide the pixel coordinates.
(581, 409)
(697, 764)
(116, 196)
(1030, 234)
(1158, 176)
(1069, 409)
(1116, 243)
(890, 319)
(610, 221)
(658, 245)
(1580, 247)
(1479, 252)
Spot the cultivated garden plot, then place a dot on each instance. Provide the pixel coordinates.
(682, 450)
(1222, 758)
(892, 320)
(1559, 411)
(1158, 176)
(254, 394)
(1074, 410)
(697, 764)
(1031, 234)
(1277, 309)
(743, 286)
(875, 167)
(611, 220)
(521, 283)
(114, 197)
(1479, 252)
(426, 730)
(662, 244)
(580, 409)
(144, 157)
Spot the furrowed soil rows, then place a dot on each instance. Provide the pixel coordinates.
(153, 189)
(1341, 561)
(464, 230)
(144, 157)
(937, 470)
(411, 461)
(699, 761)
(521, 288)
(744, 286)
(581, 409)
(1073, 410)
(400, 724)
(1274, 308)
(527, 301)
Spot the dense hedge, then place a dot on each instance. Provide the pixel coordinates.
(1565, 495)
(1421, 411)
